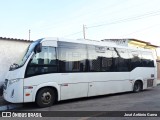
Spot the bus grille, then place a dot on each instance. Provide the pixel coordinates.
(5, 84)
(150, 82)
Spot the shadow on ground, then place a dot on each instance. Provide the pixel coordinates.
(34, 106)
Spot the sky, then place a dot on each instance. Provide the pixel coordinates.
(103, 19)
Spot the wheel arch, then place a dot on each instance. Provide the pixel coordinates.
(139, 80)
(51, 85)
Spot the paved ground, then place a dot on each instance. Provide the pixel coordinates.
(148, 100)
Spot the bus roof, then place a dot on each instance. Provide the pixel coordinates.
(105, 42)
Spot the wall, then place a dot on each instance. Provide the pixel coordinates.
(10, 52)
(158, 68)
(158, 75)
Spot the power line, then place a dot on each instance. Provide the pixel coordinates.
(93, 11)
(122, 10)
(143, 29)
(149, 14)
(114, 22)
(108, 7)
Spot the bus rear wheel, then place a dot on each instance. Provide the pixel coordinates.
(137, 86)
(45, 97)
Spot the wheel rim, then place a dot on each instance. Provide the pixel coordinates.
(46, 98)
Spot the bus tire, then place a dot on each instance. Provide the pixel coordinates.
(138, 86)
(45, 97)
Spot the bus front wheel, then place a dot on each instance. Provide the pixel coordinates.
(137, 86)
(45, 97)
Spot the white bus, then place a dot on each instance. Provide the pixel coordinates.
(54, 69)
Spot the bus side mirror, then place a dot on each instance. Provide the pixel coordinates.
(38, 48)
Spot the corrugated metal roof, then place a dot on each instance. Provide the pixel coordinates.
(5, 38)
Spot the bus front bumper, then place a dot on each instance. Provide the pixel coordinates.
(13, 93)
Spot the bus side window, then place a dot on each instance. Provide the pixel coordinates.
(121, 60)
(135, 57)
(72, 57)
(147, 59)
(100, 59)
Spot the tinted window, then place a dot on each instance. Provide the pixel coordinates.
(135, 57)
(43, 62)
(107, 61)
(121, 60)
(72, 57)
(147, 59)
(100, 58)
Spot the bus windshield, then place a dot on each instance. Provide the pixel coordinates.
(25, 56)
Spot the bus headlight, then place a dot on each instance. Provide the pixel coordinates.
(13, 81)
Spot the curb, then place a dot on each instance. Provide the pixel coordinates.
(10, 107)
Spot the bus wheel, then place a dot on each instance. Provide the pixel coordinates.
(137, 86)
(45, 97)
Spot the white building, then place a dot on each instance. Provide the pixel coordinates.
(10, 51)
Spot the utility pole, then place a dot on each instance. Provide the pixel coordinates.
(29, 34)
(84, 31)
